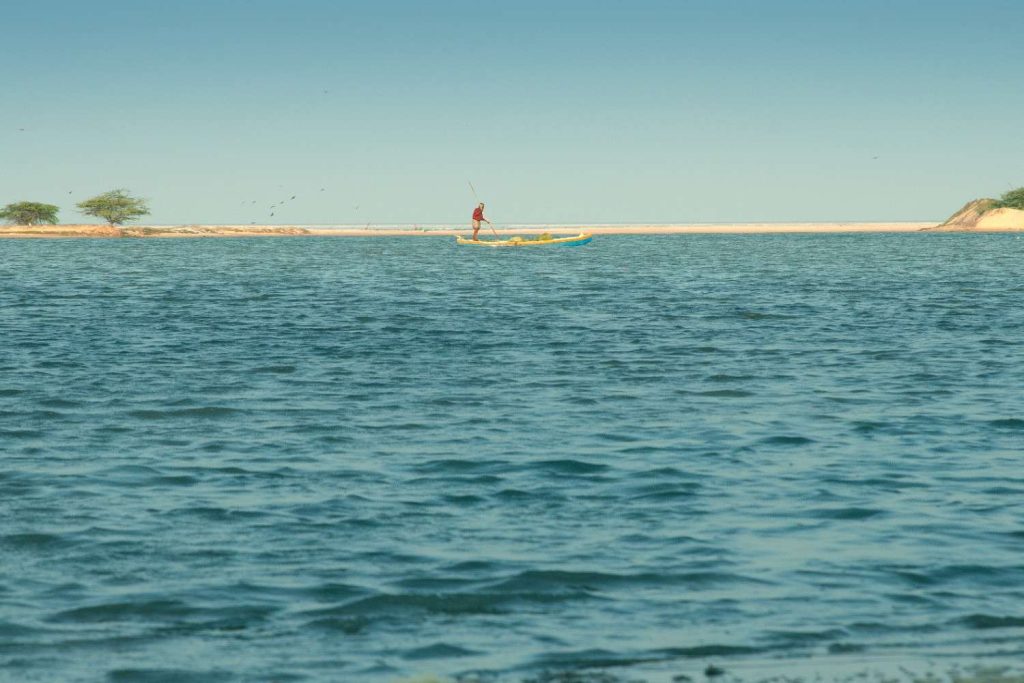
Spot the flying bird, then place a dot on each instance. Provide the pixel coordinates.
(293, 196)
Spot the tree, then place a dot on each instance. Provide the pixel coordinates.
(29, 213)
(115, 207)
(1014, 199)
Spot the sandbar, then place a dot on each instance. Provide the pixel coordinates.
(206, 231)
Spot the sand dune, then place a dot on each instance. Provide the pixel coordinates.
(1002, 219)
(980, 215)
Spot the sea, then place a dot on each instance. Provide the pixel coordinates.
(382, 459)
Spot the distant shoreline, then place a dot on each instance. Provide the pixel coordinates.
(200, 231)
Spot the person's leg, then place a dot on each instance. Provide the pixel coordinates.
(476, 229)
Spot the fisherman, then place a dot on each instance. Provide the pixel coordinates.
(478, 215)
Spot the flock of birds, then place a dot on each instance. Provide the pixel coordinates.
(277, 206)
(280, 203)
(273, 208)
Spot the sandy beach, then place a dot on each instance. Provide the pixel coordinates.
(200, 231)
(641, 229)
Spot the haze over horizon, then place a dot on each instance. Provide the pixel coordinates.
(558, 112)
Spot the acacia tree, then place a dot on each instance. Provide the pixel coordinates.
(115, 207)
(1014, 199)
(29, 213)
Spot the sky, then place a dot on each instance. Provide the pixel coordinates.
(596, 111)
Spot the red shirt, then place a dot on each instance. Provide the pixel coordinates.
(478, 214)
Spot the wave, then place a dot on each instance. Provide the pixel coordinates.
(170, 676)
(206, 412)
(1012, 423)
(568, 466)
(142, 610)
(414, 603)
(785, 440)
(438, 651)
(847, 513)
(556, 580)
(988, 621)
(34, 541)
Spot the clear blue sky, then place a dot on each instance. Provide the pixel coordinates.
(572, 111)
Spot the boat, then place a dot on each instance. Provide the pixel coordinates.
(540, 241)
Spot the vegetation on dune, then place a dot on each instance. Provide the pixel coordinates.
(115, 207)
(1014, 199)
(29, 213)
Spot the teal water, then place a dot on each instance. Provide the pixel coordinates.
(359, 459)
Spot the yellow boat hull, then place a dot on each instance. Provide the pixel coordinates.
(576, 240)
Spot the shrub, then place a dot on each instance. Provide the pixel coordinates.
(115, 207)
(29, 213)
(1014, 199)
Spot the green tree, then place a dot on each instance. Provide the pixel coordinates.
(1014, 199)
(115, 207)
(29, 213)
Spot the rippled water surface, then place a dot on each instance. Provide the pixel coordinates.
(359, 459)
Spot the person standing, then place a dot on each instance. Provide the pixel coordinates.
(478, 216)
